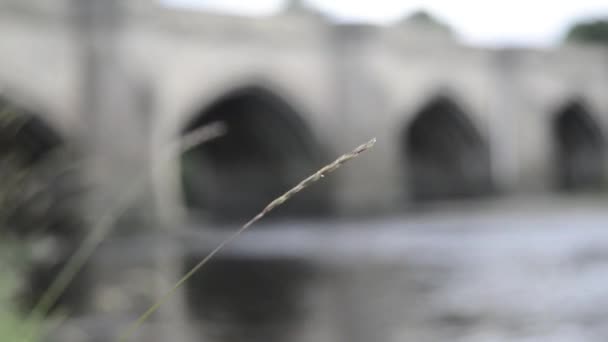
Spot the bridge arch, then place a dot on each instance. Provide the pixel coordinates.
(266, 149)
(25, 132)
(446, 156)
(25, 142)
(580, 148)
(39, 199)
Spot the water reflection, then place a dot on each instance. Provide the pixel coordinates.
(243, 299)
(469, 276)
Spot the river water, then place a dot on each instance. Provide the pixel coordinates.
(514, 273)
(519, 271)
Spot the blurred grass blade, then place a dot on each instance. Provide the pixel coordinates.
(130, 330)
(104, 225)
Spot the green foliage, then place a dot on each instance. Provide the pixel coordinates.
(12, 326)
(12, 260)
(424, 18)
(589, 31)
(32, 191)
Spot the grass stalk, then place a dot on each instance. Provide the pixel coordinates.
(103, 226)
(321, 173)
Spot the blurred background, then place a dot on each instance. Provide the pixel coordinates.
(136, 135)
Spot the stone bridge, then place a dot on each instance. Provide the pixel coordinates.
(123, 80)
(305, 90)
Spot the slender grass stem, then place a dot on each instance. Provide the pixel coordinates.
(130, 330)
(104, 225)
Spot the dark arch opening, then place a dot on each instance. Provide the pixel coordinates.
(266, 150)
(448, 158)
(580, 149)
(25, 142)
(38, 195)
(24, 135)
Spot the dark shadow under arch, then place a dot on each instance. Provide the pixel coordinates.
(24, 134)
(580, 149)
(26, 142)
(447, 157)
(267, 149)
(40, 199)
